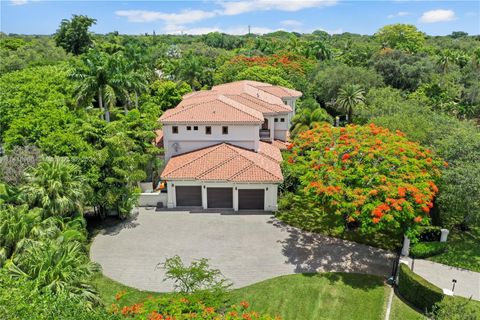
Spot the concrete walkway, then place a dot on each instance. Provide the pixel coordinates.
(468, 282)
(246, 248)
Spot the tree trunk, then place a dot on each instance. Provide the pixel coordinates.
(107, 114)
(136, 99)
(350, 113)
(100, 101)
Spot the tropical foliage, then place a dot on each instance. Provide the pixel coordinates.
(78, 113)
(185, 308)
(367, 176)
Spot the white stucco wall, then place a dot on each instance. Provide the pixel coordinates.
(152, 199)
(271, 195)
(245, 136)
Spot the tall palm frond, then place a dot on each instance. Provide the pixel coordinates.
(349, 97)
(56, 186)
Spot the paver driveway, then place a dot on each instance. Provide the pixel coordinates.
(246, 248)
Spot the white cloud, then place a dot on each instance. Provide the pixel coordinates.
(439, 15)
(18, 2)
(239, 7)
(291, 23)
(238, 30)
(398, 14)
(185, 16)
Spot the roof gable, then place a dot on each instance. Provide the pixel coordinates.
(224, 162)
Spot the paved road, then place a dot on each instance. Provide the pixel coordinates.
(468, 282)
(246, 248)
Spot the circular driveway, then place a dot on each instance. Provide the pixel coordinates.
(246, 248)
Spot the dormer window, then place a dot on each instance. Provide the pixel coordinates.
(174, 129)
(224, 130)
(208, 130)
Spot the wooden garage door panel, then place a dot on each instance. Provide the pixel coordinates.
(219, 197)
(251, 199)
(189, 196)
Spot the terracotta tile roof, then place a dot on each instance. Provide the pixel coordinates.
(270, 150)
(238, 102)
(282, 145)
(238, 87)
(225, 162)
(211, 109)
(260, 105)
(159, 138)
(278, 91)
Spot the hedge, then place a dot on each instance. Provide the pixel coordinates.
(430, 233)
(427, 249)
(416, 290)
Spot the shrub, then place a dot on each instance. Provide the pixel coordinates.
(430, 233)
(416, 290)
(199, 279)
(366, 175)
(285, 201)
(20, 299)
(166, 307)
(427, 249)
(454, 309)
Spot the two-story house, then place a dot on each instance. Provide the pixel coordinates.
(222, 146)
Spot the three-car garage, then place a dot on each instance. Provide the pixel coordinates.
(224, 196)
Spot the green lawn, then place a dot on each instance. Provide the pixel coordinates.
(318, 221)
(108, 288)
(402, 311)
(463, 250)
(322, 296)
(333, 296)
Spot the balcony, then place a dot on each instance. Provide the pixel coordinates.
(265, 134)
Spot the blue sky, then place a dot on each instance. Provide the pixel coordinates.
(196, 17)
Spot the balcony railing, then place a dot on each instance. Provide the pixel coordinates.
(264, 134)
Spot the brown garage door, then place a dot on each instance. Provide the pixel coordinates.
(189, 196)
(251, 199)
(219, 197)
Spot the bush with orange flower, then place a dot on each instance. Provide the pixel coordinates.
(369, 177)
(173, 307)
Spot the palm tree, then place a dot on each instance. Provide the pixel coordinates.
(445, 59)
(56, 186)
(191, 71)
(307, 118)
(57, 266)
(16, 223)
(320, 50)
(349, 97)
(94, 81)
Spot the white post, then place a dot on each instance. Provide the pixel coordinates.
(444, 235)
(406, 246)
(204, 197)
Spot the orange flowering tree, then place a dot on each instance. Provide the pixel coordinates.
(182, 308)
(372, 178)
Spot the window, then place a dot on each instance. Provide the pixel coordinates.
(224, 130)
(282, 119)
(195, 128)
(189, 128)
(208, 130)
(174, 129)
(276, 119)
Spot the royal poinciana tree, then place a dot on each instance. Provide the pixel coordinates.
(372, 178)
